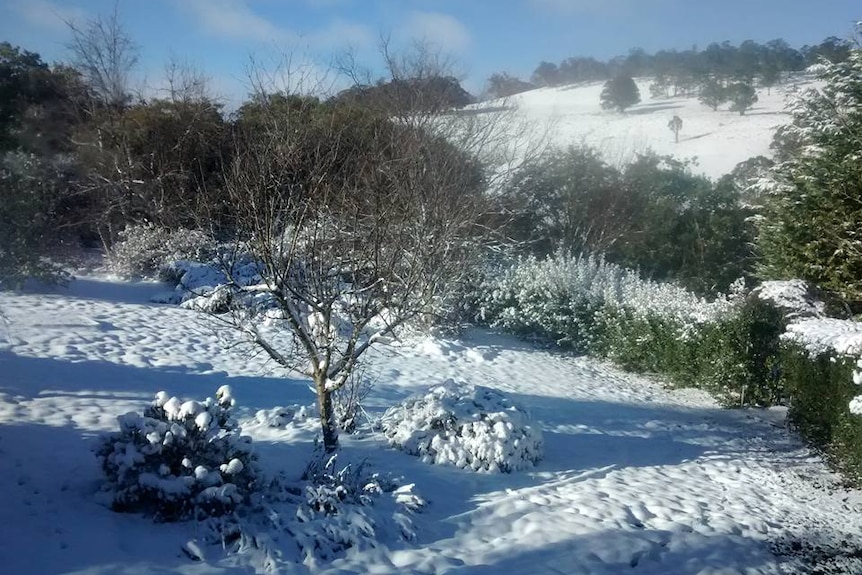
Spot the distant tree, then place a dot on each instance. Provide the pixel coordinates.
(660, 88)
(546, 74)
(620, 93)
(407, 95)
(503, 85)
(742, 97)
(675, 126)
(713, 94)
(832, 49)
(770, 75)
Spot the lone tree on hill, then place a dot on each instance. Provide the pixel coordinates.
(620, 93)
(742, 97)
(675, 126)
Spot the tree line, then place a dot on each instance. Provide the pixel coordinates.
(680, 72)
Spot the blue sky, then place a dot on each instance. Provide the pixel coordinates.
(221, 37)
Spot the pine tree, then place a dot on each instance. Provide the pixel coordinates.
(620, 93)
(811, 224)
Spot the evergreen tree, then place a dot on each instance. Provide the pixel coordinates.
(713, 94)
(742, 97)
(620, 93)
(812, 213)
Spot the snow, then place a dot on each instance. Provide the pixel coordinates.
(718, 140)
(793, 296)
(634, 476)
(823, 335)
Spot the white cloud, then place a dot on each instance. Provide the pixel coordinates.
(234, 19)
(339, 34)
(46, 15)
(580, 6)
(440, 29)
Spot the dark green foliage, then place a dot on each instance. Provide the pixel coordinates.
(572, 200)
(620, 93)
(690, 230)
(33, 195)
(37, 103)
(432, 94)
(812, 198)
(735, 359)
(820, 388)
(655, 216)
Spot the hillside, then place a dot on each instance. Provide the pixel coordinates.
(718, 140)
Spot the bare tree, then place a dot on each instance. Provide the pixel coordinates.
(360, 222)
(185, 82)
(105, 54)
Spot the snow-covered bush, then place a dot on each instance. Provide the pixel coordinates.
(350, 508)
(728, 346)
(469, 427)
(144, 249)
(556, 296)
(179, 460)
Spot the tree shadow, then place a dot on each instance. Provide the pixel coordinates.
(614, 551)
(697, 137)
(93, 288)
(651, 108)
(106, 381)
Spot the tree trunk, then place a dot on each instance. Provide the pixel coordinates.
(327, 414)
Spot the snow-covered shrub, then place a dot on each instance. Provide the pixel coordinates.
(179, 460)
(469, 427)
(556, 297)
(728, 346)
(351, 508)
(282, 416)
(144, 249)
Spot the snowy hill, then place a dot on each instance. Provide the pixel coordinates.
(718, 140)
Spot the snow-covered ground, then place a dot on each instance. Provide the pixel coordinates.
(635, 478)
(718, 140)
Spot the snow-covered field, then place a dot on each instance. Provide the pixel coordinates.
(718, 140)
(635, 478)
